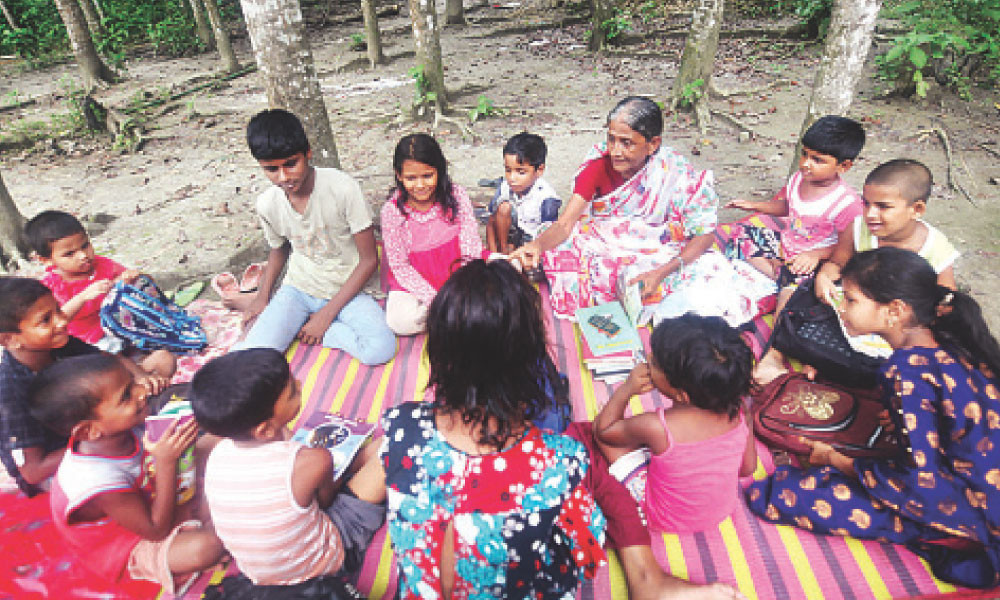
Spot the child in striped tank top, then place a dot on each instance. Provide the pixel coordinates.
(274, 502)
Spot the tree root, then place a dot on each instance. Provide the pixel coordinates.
(740, 125)
(17, 105)
(990, 150)
(715, 91)
(465, 129)
(949, 156)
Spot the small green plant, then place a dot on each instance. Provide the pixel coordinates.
(357, 42)
(906, 61)
(615, 27)
(692, 92)
(422, 95)
(648, 10)
(484, 108)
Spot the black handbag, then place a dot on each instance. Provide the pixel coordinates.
(809, 330)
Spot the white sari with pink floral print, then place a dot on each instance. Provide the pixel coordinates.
(639, 226)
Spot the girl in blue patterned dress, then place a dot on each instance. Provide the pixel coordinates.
(941, 499)
(481, 503)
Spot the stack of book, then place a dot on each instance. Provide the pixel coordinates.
(611, 343)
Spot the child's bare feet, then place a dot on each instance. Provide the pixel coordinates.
(770, 367)
(647, 580)
(240, 301)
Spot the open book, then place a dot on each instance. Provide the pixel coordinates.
(342, 437)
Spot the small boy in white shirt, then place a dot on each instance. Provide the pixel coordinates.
(524, 201)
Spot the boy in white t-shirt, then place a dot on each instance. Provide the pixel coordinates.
(316, 222)
(524, 201)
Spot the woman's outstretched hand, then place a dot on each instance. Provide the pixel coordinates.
(528, 255)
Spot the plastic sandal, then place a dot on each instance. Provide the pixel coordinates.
(225, 285)
(251, 277)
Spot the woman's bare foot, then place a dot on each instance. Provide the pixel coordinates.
(770, 367)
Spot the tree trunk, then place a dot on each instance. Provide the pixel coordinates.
(372, 36)
(455, 12)
(222, 41)
(201, 25)
(7, 15)
(698, 59)
(600, 12)
(277, 35)
(92, 16)
(848, 39)
(13, 248)
(92, 68)
(428, 42)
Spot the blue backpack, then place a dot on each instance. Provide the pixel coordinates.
(142, 316)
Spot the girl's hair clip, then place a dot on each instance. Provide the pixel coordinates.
(947, 299)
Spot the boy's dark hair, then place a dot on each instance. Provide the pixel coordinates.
(954, 317)
(487, 351)
(424, 149)
(65, 393)
(912, 178)
(840, 137)
(643, 115)
(234, 393)
(49, 226)
(528, 148)
(17, 295)
(706, 358)
(275, 134)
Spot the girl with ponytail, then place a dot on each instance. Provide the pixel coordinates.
(942, 498)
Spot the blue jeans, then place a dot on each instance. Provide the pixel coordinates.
(358, 330)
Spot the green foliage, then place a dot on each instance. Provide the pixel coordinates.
(616, 26)
(422, 92)
(692, 92)
(485, 108)
(167, 24)
(357, 42)
(955, 42)
(816, 14)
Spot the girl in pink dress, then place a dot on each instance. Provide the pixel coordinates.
(428, 228)
(702, 444)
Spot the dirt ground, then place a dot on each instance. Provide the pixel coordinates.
(182, 207)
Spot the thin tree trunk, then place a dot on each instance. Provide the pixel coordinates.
(848, 40)
(600, 12)
(698, 59)
(222, 41)
(92, 68)
(428, 42)
(13, 248)
(277, 35)
(455, 12)
(7, 15)
(201, 25)
(100, 11)
(92, 16)
(372, 36)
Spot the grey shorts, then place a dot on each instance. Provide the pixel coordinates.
(357, 521)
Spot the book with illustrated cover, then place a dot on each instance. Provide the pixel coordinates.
(607, 330)
(342, 437)
(638, 309)
(176, 408)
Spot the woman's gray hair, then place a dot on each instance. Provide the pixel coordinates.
(641, 114)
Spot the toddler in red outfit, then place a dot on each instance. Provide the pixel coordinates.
(78, 278)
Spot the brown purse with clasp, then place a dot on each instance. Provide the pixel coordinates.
(793, 407)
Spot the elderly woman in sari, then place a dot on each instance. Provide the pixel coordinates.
(652, 218)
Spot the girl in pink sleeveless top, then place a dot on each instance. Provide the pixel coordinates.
(702, 444)
(428, 228)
